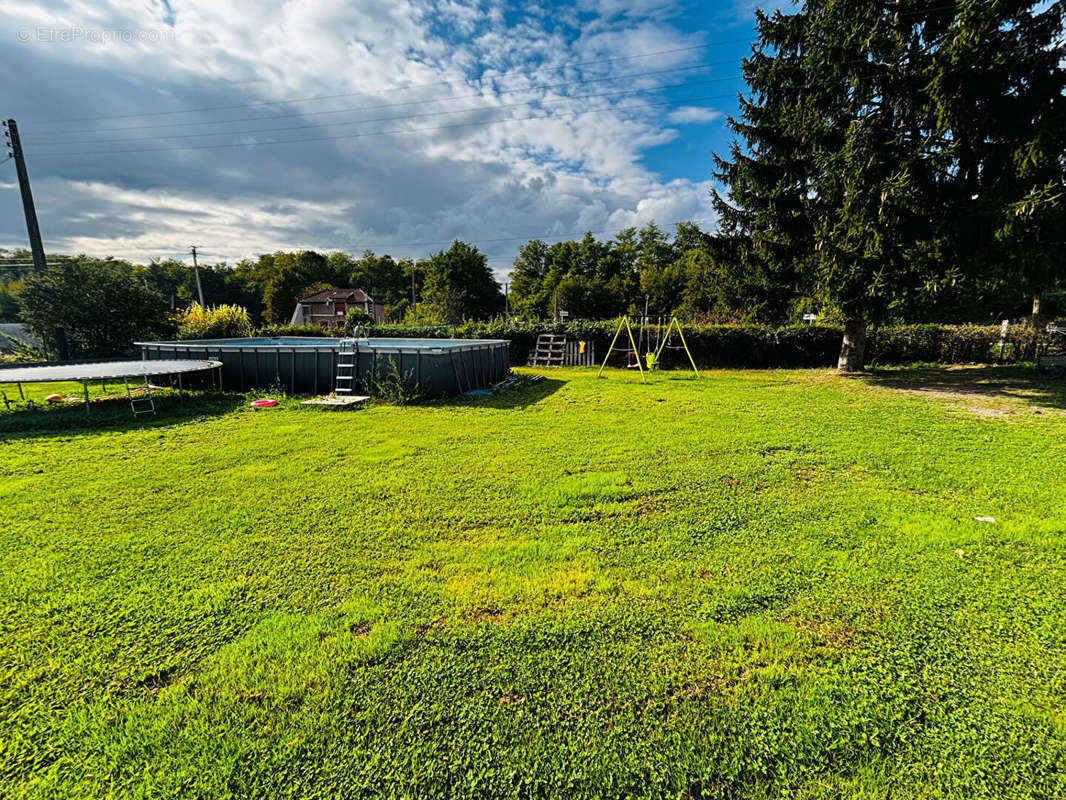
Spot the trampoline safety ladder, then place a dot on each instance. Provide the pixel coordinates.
(141, 405)
(347, 362)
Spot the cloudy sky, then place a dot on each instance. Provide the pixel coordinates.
(393, 125)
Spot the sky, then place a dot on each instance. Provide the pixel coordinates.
(390, 125)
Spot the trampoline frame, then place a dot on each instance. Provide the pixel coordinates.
(84, 373)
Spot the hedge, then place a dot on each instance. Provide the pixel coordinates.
(746, 345)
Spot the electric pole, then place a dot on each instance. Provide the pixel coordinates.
(15, 151)
(196, 270)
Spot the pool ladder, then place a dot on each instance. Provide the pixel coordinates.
(347, 361)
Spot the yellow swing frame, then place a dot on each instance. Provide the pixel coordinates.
(623, 323)
(675, 324)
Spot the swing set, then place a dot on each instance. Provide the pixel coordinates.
(651, 356)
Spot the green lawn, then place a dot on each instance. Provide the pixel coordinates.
(756, 584)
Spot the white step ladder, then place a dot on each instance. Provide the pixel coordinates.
(140, 405)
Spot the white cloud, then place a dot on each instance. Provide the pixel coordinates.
(445, 176)
(690, 114)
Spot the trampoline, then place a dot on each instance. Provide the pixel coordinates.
(109, 370)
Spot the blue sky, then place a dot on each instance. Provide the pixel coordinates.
(391, 125)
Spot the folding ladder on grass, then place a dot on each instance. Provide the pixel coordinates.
(140, 405)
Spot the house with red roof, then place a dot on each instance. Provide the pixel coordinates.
(327, 308)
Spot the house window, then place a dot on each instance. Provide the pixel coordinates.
(340, 308)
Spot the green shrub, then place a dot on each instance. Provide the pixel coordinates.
(755, 346)
(953, 344)
(761, 346)
(297, 330)
(391, 386)
(92, 308)
(220, 322)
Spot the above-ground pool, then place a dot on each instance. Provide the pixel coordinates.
(308, 365)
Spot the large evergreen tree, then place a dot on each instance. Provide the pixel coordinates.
(894, 152)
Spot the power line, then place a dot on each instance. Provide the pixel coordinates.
(399, 131)
(415, 130)
(256, 104)
(560, 100)
(570, 65)
(480, 96)
(377, 133)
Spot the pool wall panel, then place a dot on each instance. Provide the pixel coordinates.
(312, 369)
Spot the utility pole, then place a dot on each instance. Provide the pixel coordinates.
(506, 301)
(15, 148)
(413, 302)
(196, 269)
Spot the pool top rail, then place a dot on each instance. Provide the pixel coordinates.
(376, 343)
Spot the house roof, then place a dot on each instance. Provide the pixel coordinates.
(347, 295)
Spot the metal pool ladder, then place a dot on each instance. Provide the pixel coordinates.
(347, 361)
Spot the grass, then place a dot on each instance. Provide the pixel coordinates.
(758, 584)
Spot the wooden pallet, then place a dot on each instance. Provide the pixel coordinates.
(557, 350)
(549, 351)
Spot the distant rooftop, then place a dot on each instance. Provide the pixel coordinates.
(347, 295)
(13, 334)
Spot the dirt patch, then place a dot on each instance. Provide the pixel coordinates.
(486, 614)
(426, 627)
(825, 634)
(359, 629)
(990, 392)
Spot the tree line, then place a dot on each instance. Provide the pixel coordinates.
(899, 161)
(86, 306)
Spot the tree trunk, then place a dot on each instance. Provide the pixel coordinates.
(62, 345)
(1036, 310)
(853, 348)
